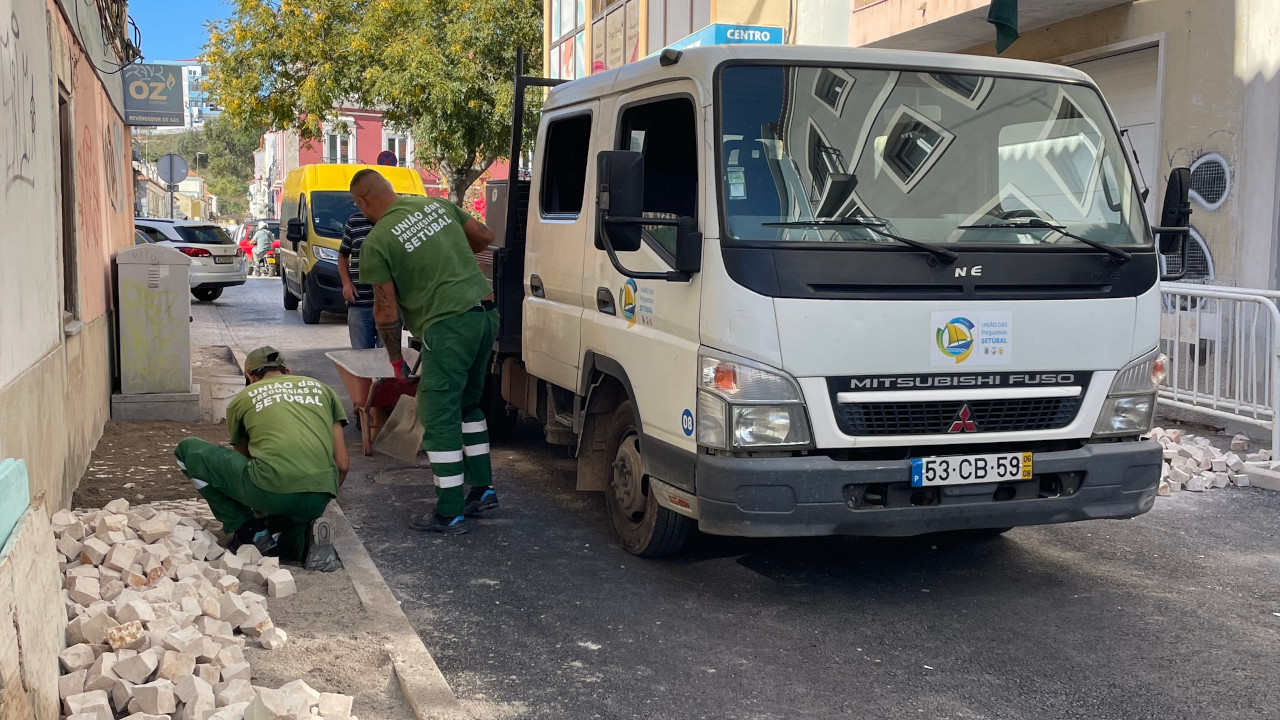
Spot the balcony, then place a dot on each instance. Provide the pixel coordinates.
(952, 25)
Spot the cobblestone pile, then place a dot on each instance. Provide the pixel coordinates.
(1194, 464)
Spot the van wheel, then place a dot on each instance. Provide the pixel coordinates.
(290, 300)
(642, 526)
(310, 310)
(207, 294)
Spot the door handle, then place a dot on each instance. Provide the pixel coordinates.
(604, 301)
(535, 286)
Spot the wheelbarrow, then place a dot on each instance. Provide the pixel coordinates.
(372, 386)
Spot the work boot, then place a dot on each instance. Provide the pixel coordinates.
(246, 534)
(480, 500)
(320, 553)
(432, 522)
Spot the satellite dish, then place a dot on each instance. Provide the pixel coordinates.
(172, 168)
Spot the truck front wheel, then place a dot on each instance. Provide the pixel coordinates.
(642, 526)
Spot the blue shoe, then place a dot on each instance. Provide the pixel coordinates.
(440, 524)
(480, 500)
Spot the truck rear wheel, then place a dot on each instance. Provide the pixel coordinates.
(290, 300)
(642, 526)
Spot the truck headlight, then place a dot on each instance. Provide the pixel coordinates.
(324, 253)
(1131, 403)
(744, 406)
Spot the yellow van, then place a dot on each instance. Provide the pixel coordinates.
(314, 210)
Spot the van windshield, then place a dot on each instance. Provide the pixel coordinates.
(330, 210)
(838, 154)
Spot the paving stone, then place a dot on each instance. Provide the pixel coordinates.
(71, 683)
(233, 609)
(307, 696)
(138, 668)
(121, 694)
(249, 554)
(176, 666)
(94, 551)
(155, 697)
(139, 610)
(334, 705)
(95, 703)
(280, 584)
(235, 711)
(186, 640)
(95, 627)
(69, 547)
(273, 639)
(101, 673)
(128, 635)
(268, 705)
(209, 672)
(76, 657)
(238, 671)
(117, 506)
(190, 687)
(84, 590)
(1240, 480)
(198, 708)
(234, 692)
(120, 557)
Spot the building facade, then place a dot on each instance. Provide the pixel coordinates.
(67, 201)
(1191, 83)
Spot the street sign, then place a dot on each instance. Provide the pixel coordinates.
(726, 34)
(172, 168)
(153, 95)
(386, 157)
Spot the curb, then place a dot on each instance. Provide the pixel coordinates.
(423, 685)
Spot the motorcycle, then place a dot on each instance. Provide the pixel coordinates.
(267, 265)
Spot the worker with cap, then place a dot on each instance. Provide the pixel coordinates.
(262, 240)
(420, 256)
(290, 457)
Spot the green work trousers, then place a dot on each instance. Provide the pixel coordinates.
(221, 476)
(455, 358)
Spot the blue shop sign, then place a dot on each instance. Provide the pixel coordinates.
(724, 34)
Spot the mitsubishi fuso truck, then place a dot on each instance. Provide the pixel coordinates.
(780, 291)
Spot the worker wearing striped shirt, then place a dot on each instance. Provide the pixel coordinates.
(359, 296)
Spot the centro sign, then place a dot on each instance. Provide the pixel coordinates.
(722, 34)
(749, 34)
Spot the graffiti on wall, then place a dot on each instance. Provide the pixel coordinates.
(17, 106)
(1210, 186)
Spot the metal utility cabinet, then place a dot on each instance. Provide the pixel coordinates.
(154, 309)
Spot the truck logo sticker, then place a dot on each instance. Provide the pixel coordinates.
(974, 338)
(686, 422)
(629, 302)
(964, 421)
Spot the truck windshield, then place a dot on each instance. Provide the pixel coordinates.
(924, 155)
(330, 210)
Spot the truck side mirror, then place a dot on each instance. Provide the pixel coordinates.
(688, 245)
(1175, 220)
(295, 232)
(619, 200)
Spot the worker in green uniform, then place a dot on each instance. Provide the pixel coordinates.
(289, 459)
(420, 256)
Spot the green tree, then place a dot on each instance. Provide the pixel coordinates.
(440, 68)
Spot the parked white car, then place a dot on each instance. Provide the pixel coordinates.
(216, 261)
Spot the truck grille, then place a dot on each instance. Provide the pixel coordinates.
(932, 418)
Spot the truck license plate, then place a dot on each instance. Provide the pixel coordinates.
(970, 469)
(223, 259)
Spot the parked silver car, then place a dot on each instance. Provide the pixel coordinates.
(216, 261)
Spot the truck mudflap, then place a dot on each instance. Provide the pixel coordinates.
(780, 497)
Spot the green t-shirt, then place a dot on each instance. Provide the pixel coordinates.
(419, 245)
(288, 421)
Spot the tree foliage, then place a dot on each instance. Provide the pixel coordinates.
(439, 68)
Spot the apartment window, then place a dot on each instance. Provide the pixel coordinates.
(830, 88)
(665, 132)
(564, 172)
(913, 144)
(568, 39)
(340, 145)
(398, 144)
(67, 186)
(824, 159)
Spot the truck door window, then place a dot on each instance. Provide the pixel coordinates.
(564, 171)
(665, 131)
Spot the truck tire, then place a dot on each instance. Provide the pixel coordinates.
(642, 526)
(310, 310)
(290, 300)
(207, 294)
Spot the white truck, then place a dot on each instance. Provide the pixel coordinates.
(781, 290)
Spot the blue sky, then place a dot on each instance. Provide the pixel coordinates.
(175, 30)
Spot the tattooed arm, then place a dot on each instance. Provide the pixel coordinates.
(386, 318)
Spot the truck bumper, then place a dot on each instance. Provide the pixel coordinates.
(778, 497)
(324, 284)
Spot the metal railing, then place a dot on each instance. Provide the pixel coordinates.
(1223, 345)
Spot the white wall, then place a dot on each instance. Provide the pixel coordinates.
(1257, 67)
(30, 289)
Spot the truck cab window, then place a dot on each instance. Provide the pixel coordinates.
(666, 133)
(564, 170)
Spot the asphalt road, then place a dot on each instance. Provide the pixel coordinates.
(1175, 614)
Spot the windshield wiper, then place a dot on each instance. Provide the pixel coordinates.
(875, 225)
(1039, 224)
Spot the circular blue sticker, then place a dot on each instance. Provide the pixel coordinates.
(686, 422)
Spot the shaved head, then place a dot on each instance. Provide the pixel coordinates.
(373, 193)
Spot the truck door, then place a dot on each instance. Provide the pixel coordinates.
(561, 206)
(650, 327)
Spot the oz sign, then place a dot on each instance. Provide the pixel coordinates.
(153, 95)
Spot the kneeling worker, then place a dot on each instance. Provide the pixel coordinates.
(289, 459)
